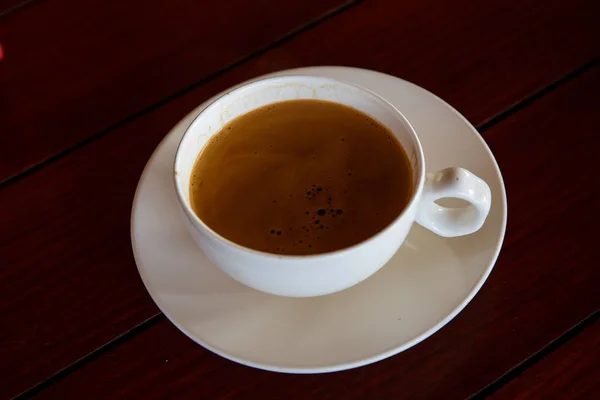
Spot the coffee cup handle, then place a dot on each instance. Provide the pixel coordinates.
(457, 183)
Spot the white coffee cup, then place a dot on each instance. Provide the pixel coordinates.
(319, 274)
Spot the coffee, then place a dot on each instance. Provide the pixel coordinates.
(301, 177)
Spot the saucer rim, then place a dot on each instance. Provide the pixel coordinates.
(394, 350)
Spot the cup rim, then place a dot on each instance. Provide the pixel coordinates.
(186, 206)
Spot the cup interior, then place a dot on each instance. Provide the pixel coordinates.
(273, 90)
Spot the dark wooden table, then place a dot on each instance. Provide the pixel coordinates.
(89, 88)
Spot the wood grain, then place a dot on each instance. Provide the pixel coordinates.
(571, 372)
(68, 280)
(544, 282)
(74, 68)
(59, 90)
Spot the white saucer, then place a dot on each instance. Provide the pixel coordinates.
(428, 282)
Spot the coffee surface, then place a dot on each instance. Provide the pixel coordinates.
(301, 177)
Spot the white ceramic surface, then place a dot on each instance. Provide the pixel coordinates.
(326, 273)
(425, 284)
